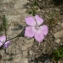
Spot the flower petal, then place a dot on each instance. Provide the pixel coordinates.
(29, 32)
(1, 44)
(39, 37)
(30, 21)
(39, 20)
(6, 44)
(2, 39)
(44, 29)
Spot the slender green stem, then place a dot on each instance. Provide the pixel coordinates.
(6, 34)
(6, 37)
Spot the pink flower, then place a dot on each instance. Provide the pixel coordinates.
(34, 28)
(3, 43)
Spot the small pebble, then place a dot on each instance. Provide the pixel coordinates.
(47, 61)
(57, 40)
(58, 34)
(58, 61)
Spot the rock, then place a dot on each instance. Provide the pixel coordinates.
(24, 43)
(15, 13)
(11, 18)
(14, 26)
(47, 61)
(31, 52)
(24, 60)
(5, 62)
(57, 40)
(6, 1)
(19, 5)
(58, 34)
(62, 25)
(59, 62)
(17, 58)
(25, 53)
(57, 9)
(7, 57)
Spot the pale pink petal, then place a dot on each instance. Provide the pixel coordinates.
(30, 21)
(39, 37)
(2, 39)
(6, 44)
(44, 29)
(1, 44)
(38, 20)
(29, 32)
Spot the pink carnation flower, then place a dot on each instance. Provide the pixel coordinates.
(3, 43)
(34, 28)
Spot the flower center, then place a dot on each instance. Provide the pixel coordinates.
(37, 27)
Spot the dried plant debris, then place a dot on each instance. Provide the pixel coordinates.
(57, 2)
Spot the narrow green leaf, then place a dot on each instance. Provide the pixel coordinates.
(4, 22)
(35, 3)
